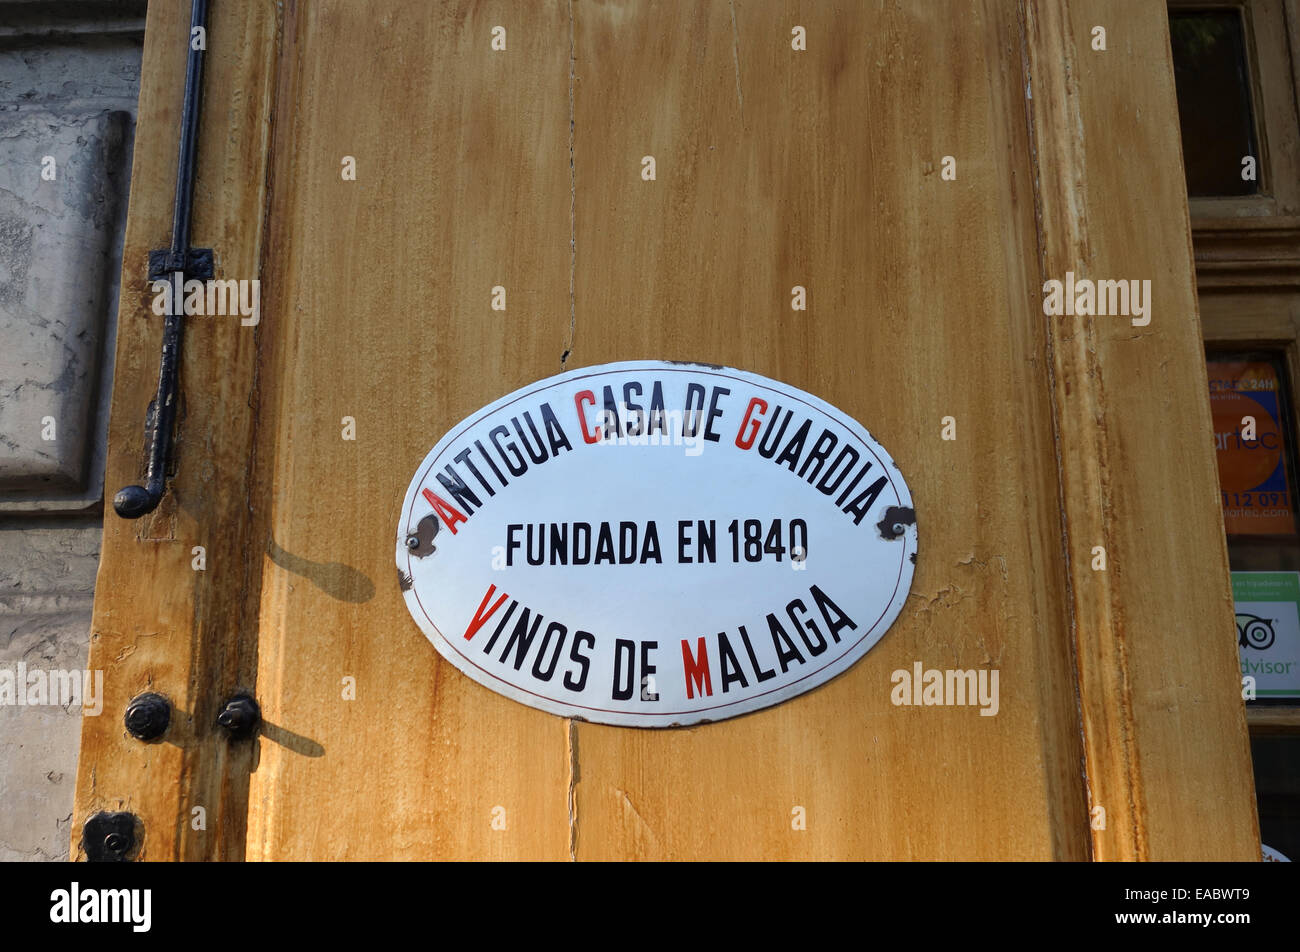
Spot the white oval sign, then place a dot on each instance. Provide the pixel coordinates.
(656, 544)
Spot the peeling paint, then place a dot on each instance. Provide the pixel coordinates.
(424, 534)
(695, 363)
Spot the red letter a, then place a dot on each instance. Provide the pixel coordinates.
(449, 514)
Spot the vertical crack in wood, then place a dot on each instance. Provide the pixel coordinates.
(572, 747)
(573, 201)
(735, 59)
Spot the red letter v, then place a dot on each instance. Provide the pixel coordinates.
(479, 618)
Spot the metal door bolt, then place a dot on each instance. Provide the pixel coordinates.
(147, 716)
(240, 716)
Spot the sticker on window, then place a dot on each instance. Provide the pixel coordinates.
(1250, 445)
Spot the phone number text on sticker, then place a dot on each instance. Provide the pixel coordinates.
(653, 544)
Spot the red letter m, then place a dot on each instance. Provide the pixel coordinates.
(697, 669)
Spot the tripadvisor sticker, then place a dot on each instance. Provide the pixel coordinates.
(656, 544)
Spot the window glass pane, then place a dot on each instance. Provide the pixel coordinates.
(1277, 790)
(1214, 107)
(1250, 400)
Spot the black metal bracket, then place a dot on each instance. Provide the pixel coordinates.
(240, 716)
(194, 263)
(132, 502)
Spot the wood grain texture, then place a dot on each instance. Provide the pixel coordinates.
(1159, 678)
(159, 625)
(822, 169)
(380, 306)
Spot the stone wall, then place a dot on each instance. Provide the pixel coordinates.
(69, 80)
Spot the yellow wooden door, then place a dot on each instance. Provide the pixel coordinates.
(920, 169)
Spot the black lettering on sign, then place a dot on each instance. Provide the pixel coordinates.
(658, 415)
(836, 621)
(463, 495)
(635, 421)
(581, 543)
(613, 422)
(540, 455)
(805, 627)
(554, 432)
(559, 543)
(487, 648)
(627, 549)
(513, 459)
(624, 660)
(605, 545)
(521, 637)
(575, 654)
(818, 455)
(730, 664)
(714, 413)
(706, 545)
(463, 457)
(544, 674)
(763, 674)
(835, 475)
(694, 410)
(859, 506)
(786, 652)
(790, 455)
(483, 453)
(650, 551)
(708, 548)
(767, 517)
(770, 440)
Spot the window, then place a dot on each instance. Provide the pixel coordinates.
(1211, 71)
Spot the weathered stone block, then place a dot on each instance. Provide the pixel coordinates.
(56, 277)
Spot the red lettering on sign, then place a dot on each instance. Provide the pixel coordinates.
(585, 396)
(479, 618)
(449, 514)
(697, 669)
(741, 440)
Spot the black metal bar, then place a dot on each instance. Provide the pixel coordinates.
(132, 502)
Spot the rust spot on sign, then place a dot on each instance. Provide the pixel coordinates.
(420, 542)
(896, 521)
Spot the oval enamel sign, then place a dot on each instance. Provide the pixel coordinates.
(656, 544)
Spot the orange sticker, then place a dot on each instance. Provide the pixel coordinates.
(1250, 446)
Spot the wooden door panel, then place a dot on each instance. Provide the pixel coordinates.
(1164, 728)
(158, 624)
(381, 308)
(820, 168)
(812, 169)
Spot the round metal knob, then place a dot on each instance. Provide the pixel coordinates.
(147, 716)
